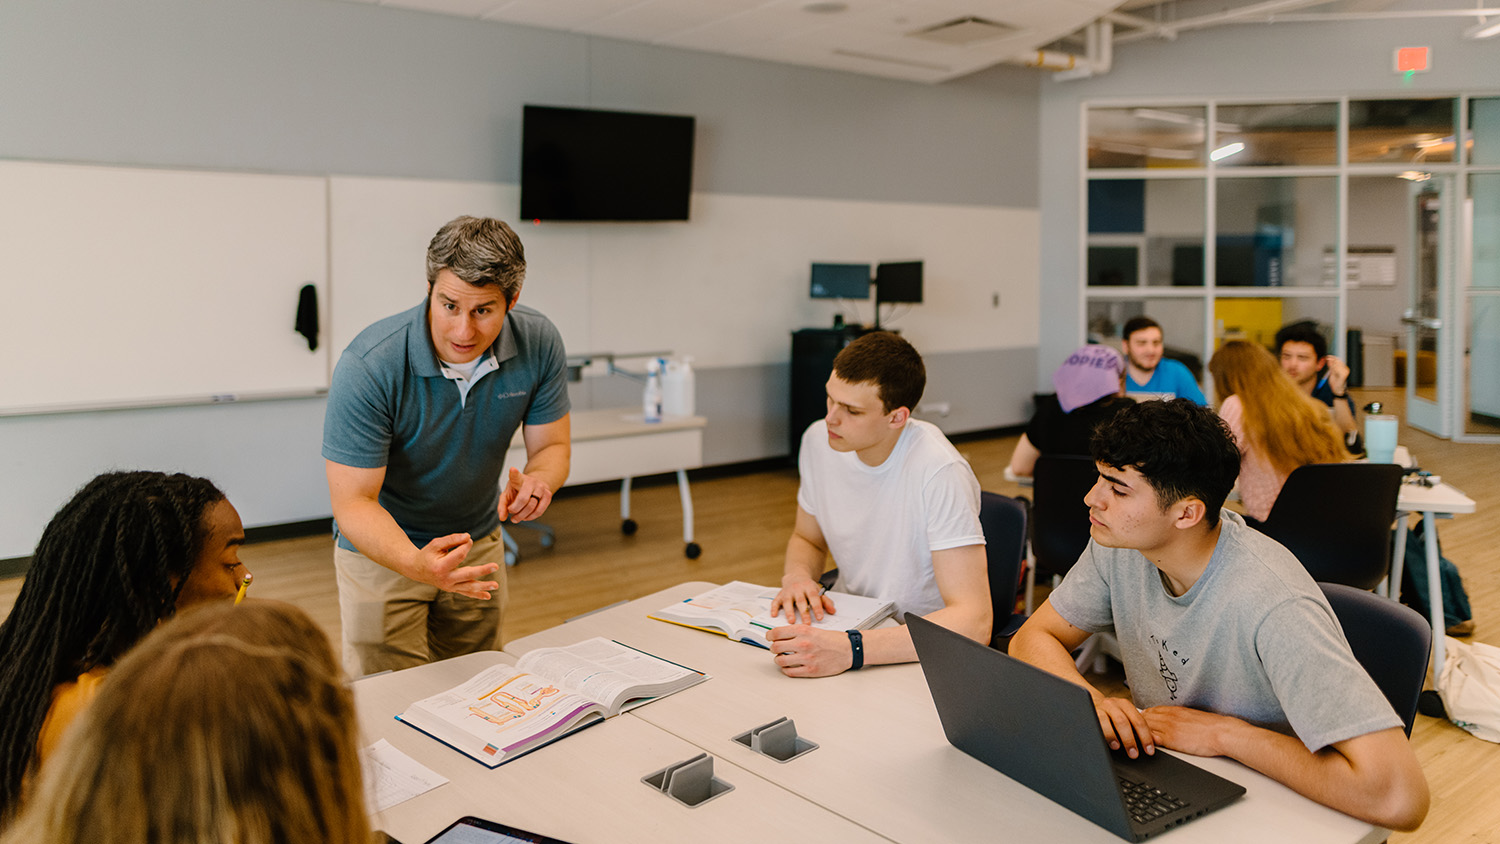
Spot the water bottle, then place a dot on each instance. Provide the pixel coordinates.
(677, 387)
(651, 403)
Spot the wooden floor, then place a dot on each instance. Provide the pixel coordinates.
(743, 522)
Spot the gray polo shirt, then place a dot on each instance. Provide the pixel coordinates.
(1253, 638)
(390, 405)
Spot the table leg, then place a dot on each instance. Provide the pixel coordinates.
(1398, 557)
(1434, 594)
(691, 548)
(627, 524)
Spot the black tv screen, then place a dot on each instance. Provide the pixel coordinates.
(587, 164)
(899, 282)
(840, 281)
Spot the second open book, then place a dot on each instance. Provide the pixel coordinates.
(505, 711)
(742, 611)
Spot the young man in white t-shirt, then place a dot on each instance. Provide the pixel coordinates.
(895, 505)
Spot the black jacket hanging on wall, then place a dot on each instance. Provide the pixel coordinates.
(307, 316)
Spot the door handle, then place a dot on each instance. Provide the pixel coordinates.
(1431, 323)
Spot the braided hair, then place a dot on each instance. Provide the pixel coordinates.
(108, 569)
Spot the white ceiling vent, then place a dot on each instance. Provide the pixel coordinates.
(962, 32)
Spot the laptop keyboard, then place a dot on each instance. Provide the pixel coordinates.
(1146, 803)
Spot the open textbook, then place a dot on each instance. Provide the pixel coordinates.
(743, 611)
(505, 711)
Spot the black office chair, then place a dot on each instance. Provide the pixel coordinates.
(1059, 518)
(1336, 517)
(1391, 640)
(1003, 522)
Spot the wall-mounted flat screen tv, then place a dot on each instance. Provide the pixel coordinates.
(588, 164)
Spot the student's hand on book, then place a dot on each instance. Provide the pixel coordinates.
(524, 498)
(1187, 730)
(803, 651)
(803, 600)
(440, 564)
(1124, 726)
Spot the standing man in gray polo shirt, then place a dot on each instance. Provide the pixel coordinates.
(421, 410)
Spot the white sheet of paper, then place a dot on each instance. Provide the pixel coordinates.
(392, 777)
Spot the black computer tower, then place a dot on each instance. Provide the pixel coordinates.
(813, 351)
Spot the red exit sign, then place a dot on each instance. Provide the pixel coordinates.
(1413, 59)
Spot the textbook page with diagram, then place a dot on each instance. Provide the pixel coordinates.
(742, 611)
(505, 711)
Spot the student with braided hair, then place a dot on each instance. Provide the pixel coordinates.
(129, 550)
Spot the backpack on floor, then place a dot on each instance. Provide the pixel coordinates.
(1414, 584)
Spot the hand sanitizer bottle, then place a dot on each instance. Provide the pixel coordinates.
(652, 401)
(677, 387)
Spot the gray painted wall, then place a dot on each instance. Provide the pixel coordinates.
(325, 87)
(1275, 62)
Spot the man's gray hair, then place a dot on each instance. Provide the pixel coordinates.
(481, 251)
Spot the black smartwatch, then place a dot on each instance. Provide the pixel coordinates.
(857, 648)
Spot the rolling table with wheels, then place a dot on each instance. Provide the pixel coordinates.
(617, 443)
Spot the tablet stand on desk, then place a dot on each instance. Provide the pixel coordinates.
(778, 740)
(690, 782)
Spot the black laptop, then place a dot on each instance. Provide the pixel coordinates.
(1041, 731)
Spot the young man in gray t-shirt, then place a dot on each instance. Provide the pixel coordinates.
(1229, 646)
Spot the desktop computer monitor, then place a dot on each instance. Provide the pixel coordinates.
(899, 282)
(840, 281)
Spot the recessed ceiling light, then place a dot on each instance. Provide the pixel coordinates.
(825, 8)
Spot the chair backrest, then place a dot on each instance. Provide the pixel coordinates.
(1336, 517)
(1003, 520)
(1391, 640)
(1059, 518)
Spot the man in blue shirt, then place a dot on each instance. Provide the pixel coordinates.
(1147, 371)
(421, 410)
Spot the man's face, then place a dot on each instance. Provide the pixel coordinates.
(856, 418)
(217, 572)
(1299, 361)
(1124, 513)
(1144, 348)
(464, 319)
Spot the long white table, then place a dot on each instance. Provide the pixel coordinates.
(883, 761)
(618, 444)
(585, 788)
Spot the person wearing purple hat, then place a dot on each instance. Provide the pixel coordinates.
(1089, 390)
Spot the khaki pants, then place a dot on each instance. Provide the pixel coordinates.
(391, 622)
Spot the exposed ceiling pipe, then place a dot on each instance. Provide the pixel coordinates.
(1141, 24)
(1254, 11)
(1099, 39)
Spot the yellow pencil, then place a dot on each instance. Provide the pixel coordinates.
(244, 585)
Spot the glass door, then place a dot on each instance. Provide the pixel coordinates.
(1428, 368)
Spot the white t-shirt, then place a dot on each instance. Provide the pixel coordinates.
(882, 523)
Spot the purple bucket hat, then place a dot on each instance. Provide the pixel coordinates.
(1089, 374)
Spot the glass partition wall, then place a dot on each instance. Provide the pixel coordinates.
(1228, 219)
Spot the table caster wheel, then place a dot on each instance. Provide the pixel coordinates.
(628, 527)
(692, 551)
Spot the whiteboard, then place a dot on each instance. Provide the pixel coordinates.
(127, 286)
